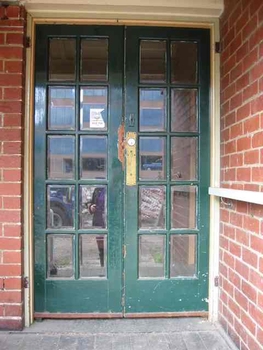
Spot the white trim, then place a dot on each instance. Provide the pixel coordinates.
(124, 9)
(239, 195)
(214, 224)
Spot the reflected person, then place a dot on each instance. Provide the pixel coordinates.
(96, 207)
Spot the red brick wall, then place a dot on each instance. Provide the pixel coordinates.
(241, 232)
(12, 62)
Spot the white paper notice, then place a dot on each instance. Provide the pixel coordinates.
(96, 120)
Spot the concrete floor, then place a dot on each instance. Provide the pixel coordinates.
(125, 334)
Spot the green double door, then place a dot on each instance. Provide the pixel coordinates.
(121, 170)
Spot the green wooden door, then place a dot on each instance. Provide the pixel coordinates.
(167, 210)
(108, 238)
(78, 177)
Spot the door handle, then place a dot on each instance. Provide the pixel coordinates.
(131, 159)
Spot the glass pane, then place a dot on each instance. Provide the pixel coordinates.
(152, 158)
(94, 60)
(151, 256)
(93, 255)
(184, 158)
(62, 59)
(184, 110)
(93, 207)
(60, 256)
(93, 109)
(61, 108)
(152, 109)
(61, 157)
(183, 256)
(153, 61)
(93, 154)
(184, 62)
(60, 206)
(183, 213)
(152, 207)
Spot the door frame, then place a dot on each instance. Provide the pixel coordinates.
(213, 26)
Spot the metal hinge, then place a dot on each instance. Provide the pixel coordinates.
(216, 281)
(124, 251)
(218, 47)
(26, 282)
(28, 42)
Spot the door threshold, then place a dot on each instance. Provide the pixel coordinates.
(42, 315)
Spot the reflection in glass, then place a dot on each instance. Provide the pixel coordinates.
(93, 207)
(151, 256)
(93, 255)
(184, 62)
(60, 256)
(62, 57)
(153, 61)
(152, 109)
(184, 158)
(60, 206)
(183, 213)
(93, 154)
(183, 256)
(61, 108)
(93, 109)
(152, 204)
(184, 110)
(61, 160)
(152, 158)
(94, 60)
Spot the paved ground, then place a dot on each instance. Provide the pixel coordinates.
(140, 334)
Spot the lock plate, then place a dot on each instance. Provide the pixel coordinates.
(131, 166)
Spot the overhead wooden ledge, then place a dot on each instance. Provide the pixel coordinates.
(239, 195)
(124, 8)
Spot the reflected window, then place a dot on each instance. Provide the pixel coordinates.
(152, 109)
(93, 154)
(152, 153)
(153, 61)
(93, 109)
(61, 108)
(183, 213)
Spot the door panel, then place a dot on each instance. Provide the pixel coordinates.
(111, 238)
(167, 211)
(78, 178)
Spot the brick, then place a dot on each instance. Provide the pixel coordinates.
(251, 157)
(249, 257)
(235, 44)
(256, 314)
(13, 216)
(11, 297)
(236, 71)
(234, 307)
(13, 12)
(256, 71)
(11, 79)
(257, 173)
(229, 37)
(13, 66)
(256, 243)
(257, 139)
(13, 94)
(242, 82)
(243, 174)
(235, 249)
(12, 202)
(241, 299)
(243, 112)
(15, 38)
(249, 27)
(13, 310)
(256, 279)
(242, 20)
(12, 175)
(248, 322)
(12, 257)
(12, 147)
(12, 230)
(256, 37)
(229, 91)
(10, 161)
(8, 52)
(234, 278)
(12, 120)
(230, 147)
(236, 130)
(10, 243)
(228, 65)
(242, 269)
(13, 283)
(257, 104)
(250, 91)
(236, 160)
(11, 324)
(10, 107)
(250, 59)
(244, 143)
(230, 119)
(236, 101)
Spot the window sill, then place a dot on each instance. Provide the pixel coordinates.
(239, 195)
